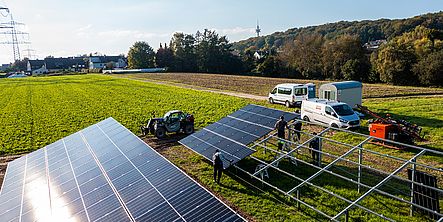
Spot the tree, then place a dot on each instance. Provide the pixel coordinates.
(353, 69)
(164, 57)
(396, 59)
(20, 65)
(430, 69)
(394, 63)
(140, 56)
(270, 67)
(183, 47)
(336, 53)
(304, 54)
(214, 53)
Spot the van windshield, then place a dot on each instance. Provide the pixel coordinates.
(343, 110)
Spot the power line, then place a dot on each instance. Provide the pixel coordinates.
(12, 32)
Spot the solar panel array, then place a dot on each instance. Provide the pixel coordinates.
(104, 173)
(232, 134)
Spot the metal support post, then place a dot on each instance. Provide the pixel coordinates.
(360, 161)
(414, 167)
(298, 198)
(320, 142)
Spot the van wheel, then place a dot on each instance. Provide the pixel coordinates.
(271, 100)
(287, 104)
(334, 125)
(306, 118)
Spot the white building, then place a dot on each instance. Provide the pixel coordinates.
(101, 62)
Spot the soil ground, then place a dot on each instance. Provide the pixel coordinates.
(260, 86)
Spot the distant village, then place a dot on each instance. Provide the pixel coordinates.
(73, 64)
(76, 64)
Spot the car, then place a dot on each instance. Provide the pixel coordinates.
(330, 113)
(291, 94)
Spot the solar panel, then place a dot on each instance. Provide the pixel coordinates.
(232, 134)
(104, 173)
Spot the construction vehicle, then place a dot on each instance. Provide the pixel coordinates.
(388, 128)
(175, 121)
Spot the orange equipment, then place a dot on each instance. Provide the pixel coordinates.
(381, 130)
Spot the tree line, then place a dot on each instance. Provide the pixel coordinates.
(204, 51)
(413, 58)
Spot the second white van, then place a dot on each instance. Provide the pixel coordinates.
(291, 94)
(330, 113)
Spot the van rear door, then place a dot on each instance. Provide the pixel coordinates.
(300, 93)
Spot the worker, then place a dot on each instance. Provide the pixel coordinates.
(315, 148)
(218, 165)
(280, 125)
(297, 127)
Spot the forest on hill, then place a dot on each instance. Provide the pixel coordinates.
(366, 31)
(398, 52)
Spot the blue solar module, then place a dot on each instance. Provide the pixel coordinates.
(104, 173)
(232, 134)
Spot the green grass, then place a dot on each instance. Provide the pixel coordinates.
(425, 112)
(38, 111)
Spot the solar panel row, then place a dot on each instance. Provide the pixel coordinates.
(232, 134)
(104, 173)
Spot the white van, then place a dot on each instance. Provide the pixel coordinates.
(291, 94)
(330, 113)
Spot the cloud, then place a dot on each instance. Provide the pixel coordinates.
(85, 31)
(132, 34)
(235, 31)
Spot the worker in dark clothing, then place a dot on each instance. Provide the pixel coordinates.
(315, 146)
(280, 125)
(218, 165)
(297, 127)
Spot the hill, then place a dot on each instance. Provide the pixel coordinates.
(366, 30)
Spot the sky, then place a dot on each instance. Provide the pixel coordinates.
(74, 27)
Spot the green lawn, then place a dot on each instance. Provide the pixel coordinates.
(38, 111)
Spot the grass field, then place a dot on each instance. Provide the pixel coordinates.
(38, 111)
(262, 85)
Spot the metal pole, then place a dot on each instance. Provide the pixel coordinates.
(320, 142)
(379, 184)
(414, 167)
(298, 198)
(360, 161)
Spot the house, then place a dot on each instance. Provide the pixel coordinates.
(65, 64)
(36, 67)
(374, 45)
(101, 62)
(260, 55)
(4, 67)
(349, 92)
(48, 65)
